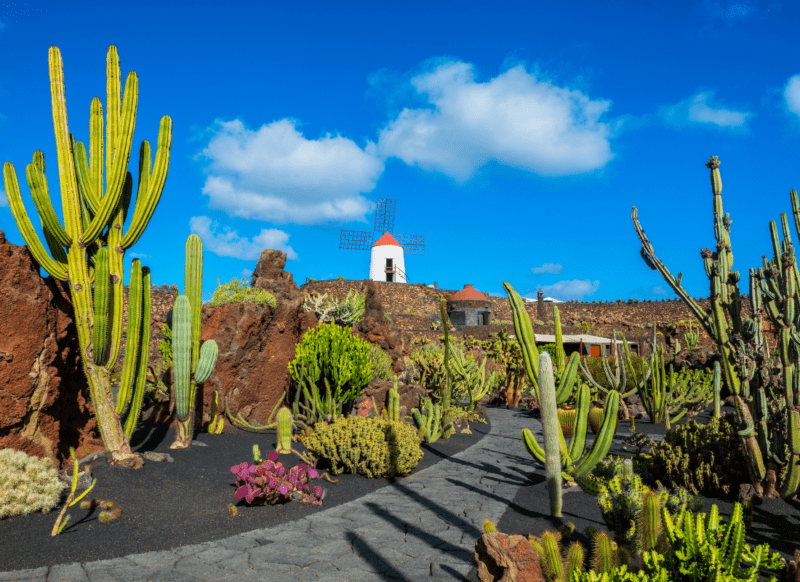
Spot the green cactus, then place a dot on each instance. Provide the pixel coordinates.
(392, 411)
(717, 389)
(745, 357)
(447, 391)
(576, 463)
(429, 421)
(284, 445)
(471, 378)
(667, 396)
(604, 558)
(192, 365)
(692, 338)
(618, 379)
(93, 238)
(217, 420)
(552, 433)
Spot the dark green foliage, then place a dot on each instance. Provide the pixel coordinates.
(706, 459)
(550, 349)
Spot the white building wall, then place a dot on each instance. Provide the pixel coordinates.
(377, 263)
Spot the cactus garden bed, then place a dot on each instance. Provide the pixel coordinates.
(170, 504)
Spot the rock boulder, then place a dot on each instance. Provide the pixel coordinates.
(410, 397)
(504, 558)
(376, 329)
(45, 406)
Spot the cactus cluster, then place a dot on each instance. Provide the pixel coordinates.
(371, 447)
(347, 312)
(429, 421)
(330, 368)
(767, 405)
(27, 484)
(703, 458)
(88, 250)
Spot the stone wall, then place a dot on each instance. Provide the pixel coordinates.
(161, 301)
(413, 307)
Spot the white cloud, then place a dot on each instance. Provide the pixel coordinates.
(138, 256)
(3, 199)
(791, 94)
(247, 273)
(551, 268)
(230, 244)
(513, 119)
(695, 110)
(566, 290)
(660, 290)
(275, 174)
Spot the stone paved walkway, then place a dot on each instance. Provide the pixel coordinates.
(423, 526)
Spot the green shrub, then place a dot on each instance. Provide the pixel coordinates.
(372, 447)
(348, 312)
(381, 364)
(550, 349)
(239, 290)
(706, 459)
(27, 484)
(340, 278)
(332, 352)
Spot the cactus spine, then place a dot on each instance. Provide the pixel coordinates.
(284, 445)
(552, 430)
(93, 220)
(192, 364)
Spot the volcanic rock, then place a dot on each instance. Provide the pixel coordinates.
(504, 558)
(256, 344)
(376, 329)
(45, 404)
(410, 397)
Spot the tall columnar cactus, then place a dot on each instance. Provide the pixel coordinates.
(447, 391)
(745, 358)
(284, 444)
(90, 247)
(717, 390)
(552, 433)
(392, 410)
(192, 365)
(566, 377)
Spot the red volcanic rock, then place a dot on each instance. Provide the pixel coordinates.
(255, 345)
(45, 406)
(376, 329)
(504, 558)
(410, 397)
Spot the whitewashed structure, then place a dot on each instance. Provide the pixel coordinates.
(386, 262)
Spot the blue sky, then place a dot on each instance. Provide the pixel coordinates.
(515, 138)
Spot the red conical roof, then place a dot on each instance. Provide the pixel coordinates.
(468, 292)
(386, 239)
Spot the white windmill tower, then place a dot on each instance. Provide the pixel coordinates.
(387, 262)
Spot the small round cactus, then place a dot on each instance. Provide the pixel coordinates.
(27, 484)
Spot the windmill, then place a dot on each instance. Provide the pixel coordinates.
(386, 258)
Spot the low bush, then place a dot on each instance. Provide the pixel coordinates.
(238, 291)
(371, 447)
(706, 459)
